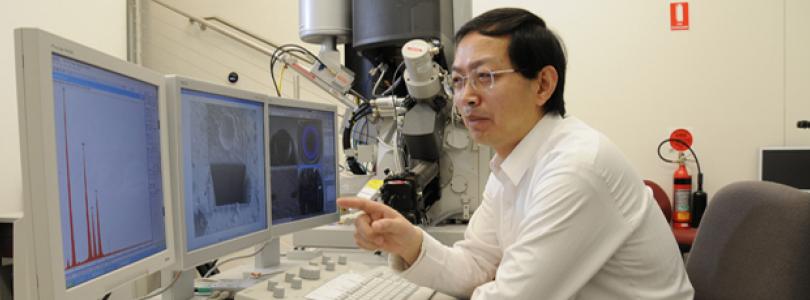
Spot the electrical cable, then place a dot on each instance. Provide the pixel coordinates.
(300, 48)
(273, 76)
(283, 49)
(379, 79)
(219, 264)
(697, 162)
(273, 58)
(361, 111)
(397, 81)
(358, 95)
(365, 132)
(354, 165)
(360, 135)
(281, 82)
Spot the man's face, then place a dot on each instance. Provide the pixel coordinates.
(501, 114)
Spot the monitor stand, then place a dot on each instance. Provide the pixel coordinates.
(183, 289)
(269, 259)
(267, 262)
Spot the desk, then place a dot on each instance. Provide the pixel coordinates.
(359, 261)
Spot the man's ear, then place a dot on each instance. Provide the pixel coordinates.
(547, 82)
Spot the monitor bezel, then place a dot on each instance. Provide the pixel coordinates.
(185, 258)
(308, 223)
(776, 148)
(35, 49)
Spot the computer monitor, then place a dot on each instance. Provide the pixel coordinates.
(95, 167)
(217, 138)
(786, 165)
(303, 164)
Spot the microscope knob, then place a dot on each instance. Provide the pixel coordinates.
(278, 293)
(458, 184)
(457, 138)
(296, 283)
(330, 266)
(326, 259)
(313, 263)
(289, 276)
(271, 285)
(309, 272)
(342, 260)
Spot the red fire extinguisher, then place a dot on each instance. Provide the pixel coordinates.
(687, 207)
(681, 194)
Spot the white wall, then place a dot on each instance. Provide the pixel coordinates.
(797, 70)
(635, 80)
(100, 24)
(171, 44)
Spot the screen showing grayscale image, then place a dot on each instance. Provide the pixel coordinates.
(302, 163)
(223, 163)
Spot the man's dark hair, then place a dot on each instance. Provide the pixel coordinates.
(532, 45)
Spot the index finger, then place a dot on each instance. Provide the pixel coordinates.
(370, 207)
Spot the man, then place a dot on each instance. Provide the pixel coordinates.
(564, 215)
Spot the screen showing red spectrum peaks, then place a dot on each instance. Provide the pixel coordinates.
(109, 169)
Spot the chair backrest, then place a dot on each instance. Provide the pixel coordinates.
(661, 197)
(753, 243)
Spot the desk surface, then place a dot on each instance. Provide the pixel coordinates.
(359, 258)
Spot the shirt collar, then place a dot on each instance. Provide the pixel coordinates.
(515, 164)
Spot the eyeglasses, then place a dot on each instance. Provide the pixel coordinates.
(481, 78)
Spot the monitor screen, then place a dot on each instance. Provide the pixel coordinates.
(224, 167)
(109, 169)
(786, 166)
(302, 163)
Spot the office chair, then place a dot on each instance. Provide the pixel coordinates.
(754, 243)
(684, 236)
(662, 199)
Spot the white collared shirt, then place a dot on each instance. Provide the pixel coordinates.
(564, 216)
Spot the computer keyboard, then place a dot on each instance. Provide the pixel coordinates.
(379, 283)
(337, 278)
